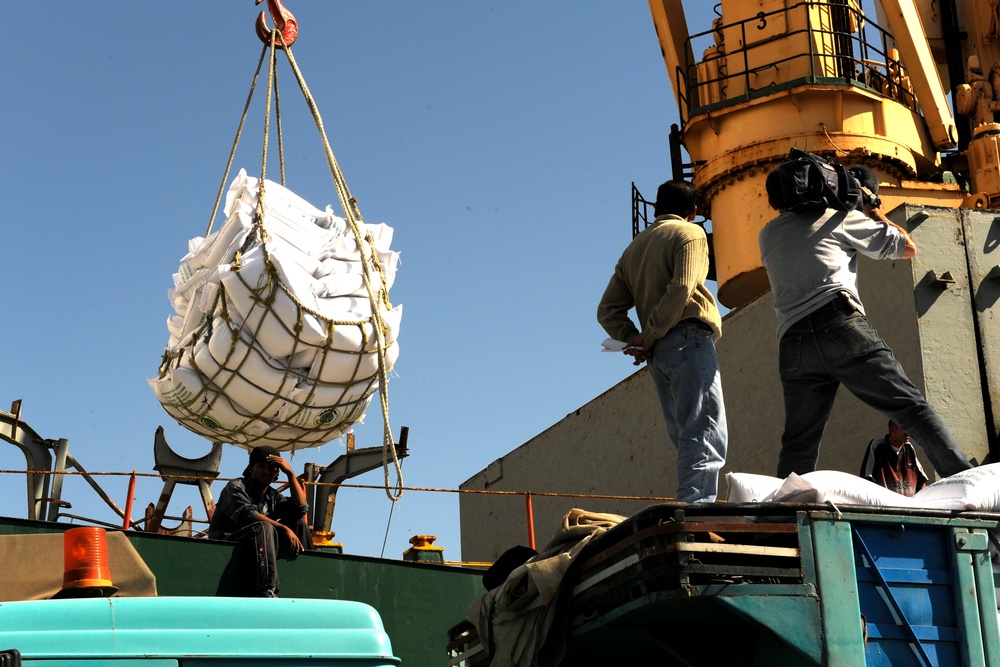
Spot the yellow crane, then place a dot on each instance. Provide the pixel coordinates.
(826, 77)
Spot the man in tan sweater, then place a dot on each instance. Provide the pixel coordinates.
(662, 275)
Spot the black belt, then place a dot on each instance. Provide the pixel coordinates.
(838, 307)
(841, 302)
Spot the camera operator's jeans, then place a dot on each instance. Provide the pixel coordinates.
(836, 345)
(685, 370)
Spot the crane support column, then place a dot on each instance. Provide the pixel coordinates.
(672, 32)
(906, 28)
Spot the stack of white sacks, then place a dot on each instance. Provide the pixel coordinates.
(275, 344)
(976, 489)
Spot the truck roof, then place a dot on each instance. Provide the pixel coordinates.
(327, 631)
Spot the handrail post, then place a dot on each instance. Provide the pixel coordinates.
(127, 519)
(531, 520)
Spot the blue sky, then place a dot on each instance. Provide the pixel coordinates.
(499, 140)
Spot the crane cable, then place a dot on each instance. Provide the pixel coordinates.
(352, 215)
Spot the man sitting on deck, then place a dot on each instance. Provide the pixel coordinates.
(249, 511)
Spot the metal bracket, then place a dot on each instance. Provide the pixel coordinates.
(974, 542)
(38, 457)
(175, 469)
(350, 464)
(944, 280)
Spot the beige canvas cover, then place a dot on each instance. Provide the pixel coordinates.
(33, 567)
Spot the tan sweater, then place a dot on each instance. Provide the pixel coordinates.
(662, 275)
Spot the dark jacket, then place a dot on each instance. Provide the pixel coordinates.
(901, 472)
(236, 508)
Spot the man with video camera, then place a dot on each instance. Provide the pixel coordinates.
(827, 215)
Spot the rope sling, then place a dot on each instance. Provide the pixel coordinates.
(249, 361)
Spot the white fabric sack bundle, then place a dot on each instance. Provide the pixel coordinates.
(973, 489)
(275, 342)
(745, 487)
(820, 486)
(976, 489)
(839, 488)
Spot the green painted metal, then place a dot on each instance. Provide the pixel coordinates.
(117, 662)
(710, 625)
(327, 632)
(876, 588)
(838, 590)
(967, 600)
(776, 614)
(418, 602)
(986, 591)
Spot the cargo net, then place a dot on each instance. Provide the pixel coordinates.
(282, 321)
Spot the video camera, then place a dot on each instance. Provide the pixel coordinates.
(811, 183)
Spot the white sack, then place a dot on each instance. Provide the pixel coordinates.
(839, 488)
(745, 487)
(843, 488)
(240, 366)
(973, 489)
(348, 356)
(201, 408)
(316, 416)
(243, 371)
(315, 398)
(270, 311)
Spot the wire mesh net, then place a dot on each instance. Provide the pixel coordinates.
(278, 328)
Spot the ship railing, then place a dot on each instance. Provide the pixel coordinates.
(528, 496)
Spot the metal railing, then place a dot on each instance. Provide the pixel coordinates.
(642, 211)
(643, 214)
(859, 56)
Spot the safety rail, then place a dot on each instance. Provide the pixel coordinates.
(643, 214)
(855, 52)
(642, 211)
(137, 524)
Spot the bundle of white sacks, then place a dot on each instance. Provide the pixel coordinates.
(975, 489)
(275, 343)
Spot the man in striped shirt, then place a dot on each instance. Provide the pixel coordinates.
(662, 275)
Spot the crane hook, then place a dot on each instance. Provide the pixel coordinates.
(283, 21)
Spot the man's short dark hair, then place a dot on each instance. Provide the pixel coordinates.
(775, 192)
(675, 198)
(866, 177)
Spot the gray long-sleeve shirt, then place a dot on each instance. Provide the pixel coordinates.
(810, 258)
